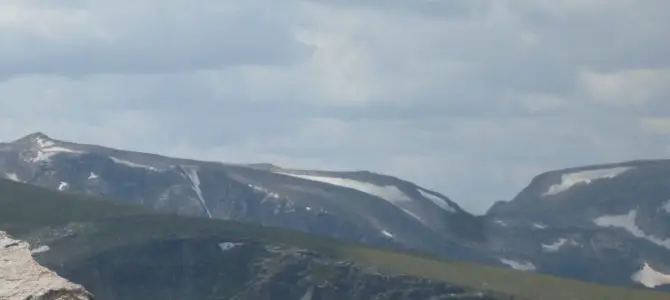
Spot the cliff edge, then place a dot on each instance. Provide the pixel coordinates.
(22, 278)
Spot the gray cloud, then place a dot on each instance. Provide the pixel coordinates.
(471, 98)
(97, 38)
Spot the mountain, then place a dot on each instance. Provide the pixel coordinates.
(602, 223)
(358, 206)
(606, 224)
(121, 251)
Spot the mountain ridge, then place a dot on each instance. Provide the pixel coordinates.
(570, 222)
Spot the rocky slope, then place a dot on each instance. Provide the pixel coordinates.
(21, 277)
(359, 206)
(604, 223)
(128, 252)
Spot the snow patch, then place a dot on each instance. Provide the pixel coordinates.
(442, 203)
(387, 192)
(265, 191)
(390, 193)
(132, 164)
(649, 277)
(521, 266)
(225, 246)
(584, 177)
(539, 226)
(501, 223)
(40, 249)
(386, 233)
(13, 177)
(307, 208)
(192, 174)
(92, 176)
(45, 154)
(627, 222)
(413, 215)
(62, 186)
(42, 143)
(556, 246)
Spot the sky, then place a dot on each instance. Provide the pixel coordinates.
(471, 98)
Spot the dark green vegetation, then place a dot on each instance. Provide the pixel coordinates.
(112, 248)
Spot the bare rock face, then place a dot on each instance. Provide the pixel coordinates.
(22, 278)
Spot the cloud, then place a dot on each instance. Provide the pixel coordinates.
(144, 37)
(471, 98)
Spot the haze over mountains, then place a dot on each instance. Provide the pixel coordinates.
(607, 224)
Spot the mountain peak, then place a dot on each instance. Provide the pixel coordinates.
(33, 137)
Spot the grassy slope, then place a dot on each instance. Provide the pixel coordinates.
(24, 208)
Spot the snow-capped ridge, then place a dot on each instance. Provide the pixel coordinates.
(569, 180)
(442, 203)
(132, 164)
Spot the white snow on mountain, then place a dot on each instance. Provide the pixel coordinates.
(539, 226)
(13, 177)
(192, 174)
(132, 164)
(584, 177)
(45, 154)
(390, 193)
(558, 244)
(386, 233)
(501, 223)
(43, 143)
(521, 266)
(387, 192)
(437, 200)
(62, 186)
(225, 246)
(649, 277)
(92, 176)
(265, 191)
(627, 222)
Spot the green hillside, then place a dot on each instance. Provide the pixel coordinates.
(25, 212)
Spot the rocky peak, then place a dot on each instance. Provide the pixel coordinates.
(33, 138)
(21, 277)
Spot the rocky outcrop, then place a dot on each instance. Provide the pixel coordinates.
(22, 278)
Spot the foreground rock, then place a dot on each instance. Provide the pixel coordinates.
(22, 278)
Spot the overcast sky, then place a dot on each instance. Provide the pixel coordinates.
(468, 97)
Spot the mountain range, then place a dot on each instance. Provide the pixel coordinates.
(605, 224)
